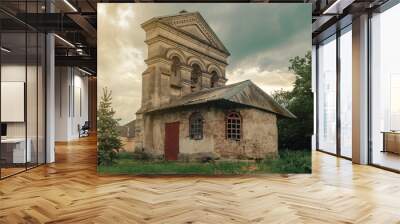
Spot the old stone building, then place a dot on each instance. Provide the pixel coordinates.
(186, 107)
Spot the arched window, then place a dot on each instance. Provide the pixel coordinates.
(196, 73)
(196, 126)
(214, 79)
(176, 63)
(233, 126)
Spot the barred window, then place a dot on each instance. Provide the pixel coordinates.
(233, 124)
(196, 126)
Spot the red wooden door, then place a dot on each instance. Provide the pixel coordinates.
(171, 146)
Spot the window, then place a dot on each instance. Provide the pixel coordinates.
(327, 95)
(196, 126)
(196, 73)
(22, 75)
(214, 79)
(385, 88)
(175, 66)
(345, 93)
(233, 123)
(394, 102)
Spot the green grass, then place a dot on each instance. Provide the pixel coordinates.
(287, 162)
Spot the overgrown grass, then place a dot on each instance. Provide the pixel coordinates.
(287, 162)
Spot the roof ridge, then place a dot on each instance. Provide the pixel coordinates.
(245, 93)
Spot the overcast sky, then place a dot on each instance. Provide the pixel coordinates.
(260, 37)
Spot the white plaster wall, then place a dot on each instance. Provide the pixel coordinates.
(62, 81)
(33, 127)
(70, 84)
(16, 73)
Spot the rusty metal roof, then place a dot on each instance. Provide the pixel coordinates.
(244, 93)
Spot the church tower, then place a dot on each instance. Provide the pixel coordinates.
(184, 56)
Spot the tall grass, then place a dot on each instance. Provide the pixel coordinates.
(290, 161)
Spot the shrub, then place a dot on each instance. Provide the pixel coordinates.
(143, 156)
(290, 161)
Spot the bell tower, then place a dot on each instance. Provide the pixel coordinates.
(184, 56)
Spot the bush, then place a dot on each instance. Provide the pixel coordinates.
(143, 156)
(124, 155)
(290, 161)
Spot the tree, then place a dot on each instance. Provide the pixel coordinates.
(296, 133)
(108, 138)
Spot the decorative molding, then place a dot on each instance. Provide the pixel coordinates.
(171, 52)
(187, 49)
(193, 59)
(186, 67)
(189, 38)
(157, 59)
(215, 68)
(181, 20)
(206, 75)
(178, 22)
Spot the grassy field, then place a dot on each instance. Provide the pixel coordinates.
(287, 162)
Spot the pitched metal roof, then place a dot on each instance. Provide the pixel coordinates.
(244, 93)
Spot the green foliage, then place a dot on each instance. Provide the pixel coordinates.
(296, 133)
(108, 141)
(290, 161)
(125, 155)
(138, 167)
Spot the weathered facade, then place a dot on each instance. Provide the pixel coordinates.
(186, 106)
(260, 134)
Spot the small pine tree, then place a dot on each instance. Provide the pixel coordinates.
(108, 140)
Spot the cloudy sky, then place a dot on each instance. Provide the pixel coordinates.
(260, 37)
